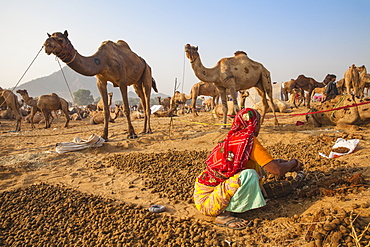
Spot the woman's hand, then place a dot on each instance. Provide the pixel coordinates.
(279, 166)
(298, 166)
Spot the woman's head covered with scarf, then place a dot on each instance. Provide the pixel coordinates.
(230, 155)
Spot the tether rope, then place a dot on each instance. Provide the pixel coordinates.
(23, 75)
(69, 89)
(65, 79)
(27, 69)
(290, 115)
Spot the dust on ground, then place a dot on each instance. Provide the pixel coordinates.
(101, 196)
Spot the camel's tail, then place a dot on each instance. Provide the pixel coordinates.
(154, 85)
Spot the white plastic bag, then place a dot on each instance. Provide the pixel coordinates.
(350, 144)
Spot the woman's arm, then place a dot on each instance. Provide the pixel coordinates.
(280, 167)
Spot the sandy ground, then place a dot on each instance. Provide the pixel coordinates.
(28, 158)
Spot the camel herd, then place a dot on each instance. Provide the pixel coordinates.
(228, 80)
(355, 82)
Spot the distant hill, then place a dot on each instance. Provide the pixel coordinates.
(55, 83)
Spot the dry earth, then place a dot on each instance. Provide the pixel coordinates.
(100, 196)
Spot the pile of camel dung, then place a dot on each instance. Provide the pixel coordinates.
(44, 214)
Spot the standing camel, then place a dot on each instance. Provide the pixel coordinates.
(287, 88)
(114, 62)
(48, 103)
(2, 101)
(206, 89)
(100, 105)
(352, 80)
(307, 84)
(364, 79)
(234, 73)
(12, 102)
(33, 104)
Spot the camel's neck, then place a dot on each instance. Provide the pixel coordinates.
(205, 74)
(319, 84)
(27, 99)
(88, 66)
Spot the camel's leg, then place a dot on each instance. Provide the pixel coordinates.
(302, 98)
(66, 112)
(146, 86)
(213, 103)
(261, 93)
(224, 106)
(347, 83)
(266, 90)
(52, 117)
(126, 110)
(17, 113)
(33, 112)
(193, 103)
(294, 95)
(308, 98)
(18, 117)
(46, 117)
(235, 99)
(141, 91)
(102, 86)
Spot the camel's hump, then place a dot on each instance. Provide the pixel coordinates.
(120, 43)
(237, 53)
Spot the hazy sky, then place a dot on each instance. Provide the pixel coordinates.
(289, 38)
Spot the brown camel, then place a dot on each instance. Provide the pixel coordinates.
(319, 90)
(114, 62)
(234, 73)
(207, 104)
(242, 95)
(3, 105)
(206, 89)
(91, 107)
(352, 80)
(341, 86)
(48, 103)
(307, 84)
(178, 99)
(364, 79)
(100, 105)
(12, 102)
(33, 104)
(287, 88)
(37, 118)
(166, 103)
(97, 117)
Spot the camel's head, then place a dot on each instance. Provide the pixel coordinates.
(329, 78)
(362, 69)
(22, 92)
(312, 120)
(56, 43)
(191, 52)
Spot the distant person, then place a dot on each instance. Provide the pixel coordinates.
(331, 90)
(231, 181)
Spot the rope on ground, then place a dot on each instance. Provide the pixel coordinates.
(292, 115)
(333, 109)
(199, 122)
